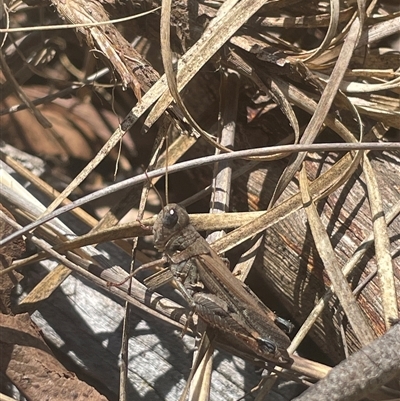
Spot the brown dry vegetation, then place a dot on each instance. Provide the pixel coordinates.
(314, 231)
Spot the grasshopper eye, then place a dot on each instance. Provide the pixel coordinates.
(170, 219)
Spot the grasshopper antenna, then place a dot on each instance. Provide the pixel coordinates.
(151, 185)
(166, 169)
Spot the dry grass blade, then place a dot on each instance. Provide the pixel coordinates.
(385, 109)
(318, 190)
(197, 386)
(26, 204)
(341, 287)
(382, 247)
(10, 78)
(305, 102)
(334, 18)
(44, 187)
(202, 222)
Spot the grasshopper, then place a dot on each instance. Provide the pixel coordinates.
(220, 299)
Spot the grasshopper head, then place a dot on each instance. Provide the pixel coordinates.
(170, 222)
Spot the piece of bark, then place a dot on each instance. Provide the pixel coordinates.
(134, 70)
(28, 362)
(292, 269)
